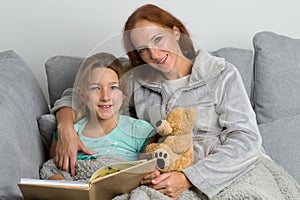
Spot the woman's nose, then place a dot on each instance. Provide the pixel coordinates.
(154, 52)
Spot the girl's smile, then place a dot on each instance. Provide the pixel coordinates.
(103, 96)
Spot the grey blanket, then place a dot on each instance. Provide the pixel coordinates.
(267, 181)
(84, 169)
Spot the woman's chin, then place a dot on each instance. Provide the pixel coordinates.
(165, 70)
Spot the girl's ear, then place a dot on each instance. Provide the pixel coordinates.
(82, 95)
(176, 32)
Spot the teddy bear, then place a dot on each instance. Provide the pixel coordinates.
(176, 151)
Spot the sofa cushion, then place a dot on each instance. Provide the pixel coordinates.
(242, 59)
(47, 125)
(276, 77)
(281, 140)
(22, 102)
(61, 72)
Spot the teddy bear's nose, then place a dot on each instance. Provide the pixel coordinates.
(158, 123)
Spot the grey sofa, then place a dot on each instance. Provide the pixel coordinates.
(270, 72)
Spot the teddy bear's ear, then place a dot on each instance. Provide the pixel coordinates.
(158, 123)
(163, 127)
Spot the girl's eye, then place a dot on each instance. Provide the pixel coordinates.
(115, 87)
(94, 89)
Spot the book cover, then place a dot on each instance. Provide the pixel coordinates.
(105, 183)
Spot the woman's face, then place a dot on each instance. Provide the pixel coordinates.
(103, 96)
(158, 46)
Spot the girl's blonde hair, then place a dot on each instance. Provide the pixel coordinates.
(99, 60)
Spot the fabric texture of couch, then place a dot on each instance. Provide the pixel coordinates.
(21, 104)
(270, 73)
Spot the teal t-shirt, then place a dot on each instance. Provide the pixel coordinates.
(127, 140)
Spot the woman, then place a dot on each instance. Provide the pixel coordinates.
(167, 73)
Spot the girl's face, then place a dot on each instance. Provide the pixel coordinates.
(158, 46)
(103, 96)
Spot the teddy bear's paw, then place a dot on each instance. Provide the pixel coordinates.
(162, 158)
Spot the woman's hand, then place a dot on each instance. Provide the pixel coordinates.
(170, 184)
(68, 142)
(150, 177)
(66, 149)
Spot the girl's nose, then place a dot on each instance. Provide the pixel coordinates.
(105, 95)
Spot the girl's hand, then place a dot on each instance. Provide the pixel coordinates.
(171, 184)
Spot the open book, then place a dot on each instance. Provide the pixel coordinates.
(105, 183)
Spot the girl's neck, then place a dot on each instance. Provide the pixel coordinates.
(98, 127)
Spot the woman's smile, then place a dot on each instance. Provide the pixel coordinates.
(158, 46)
(163, 60)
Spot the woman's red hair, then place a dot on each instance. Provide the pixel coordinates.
(159, 16)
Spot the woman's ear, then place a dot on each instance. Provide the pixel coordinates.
(176, 32)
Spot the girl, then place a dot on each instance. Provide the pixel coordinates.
(99, 124)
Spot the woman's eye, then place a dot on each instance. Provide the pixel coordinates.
(158, 39)
(141, 51)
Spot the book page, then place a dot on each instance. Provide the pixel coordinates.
(107, 170)
(121, 182)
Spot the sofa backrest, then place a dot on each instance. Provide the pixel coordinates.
(21, 104)
(61, 69)
(61, 72)
(276, 97)
(242, 59)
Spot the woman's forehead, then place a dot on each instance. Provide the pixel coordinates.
(144, 34)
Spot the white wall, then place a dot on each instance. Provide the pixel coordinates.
(39, 29)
